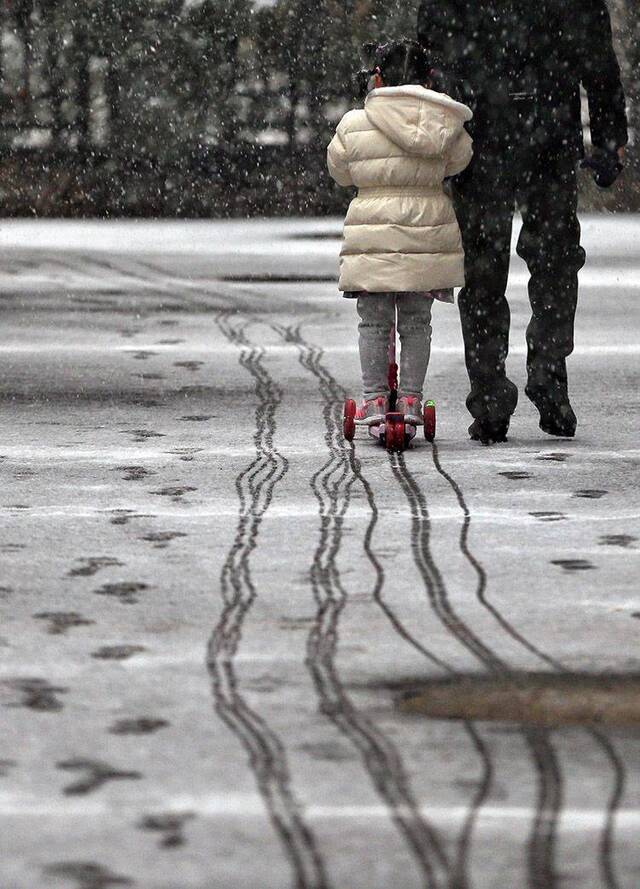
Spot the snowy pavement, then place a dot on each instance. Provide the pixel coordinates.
(215, 614)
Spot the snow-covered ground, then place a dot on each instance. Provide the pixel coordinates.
(213, 609)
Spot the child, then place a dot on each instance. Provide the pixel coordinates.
(402, 247)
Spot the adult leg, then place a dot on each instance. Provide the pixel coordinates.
(484, 204)
(377, 315)
(414, 329)
(550, 245)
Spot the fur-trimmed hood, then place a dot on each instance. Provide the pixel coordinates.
(419, 120)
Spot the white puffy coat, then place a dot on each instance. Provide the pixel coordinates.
(401, 232)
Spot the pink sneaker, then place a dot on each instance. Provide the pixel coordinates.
(371, 412)
(411, 407)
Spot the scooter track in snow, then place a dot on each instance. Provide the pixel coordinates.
(255, 486)
(332, 485)
(607, 865)
(542, 843)
(459, 869)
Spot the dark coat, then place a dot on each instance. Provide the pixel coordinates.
(498, 54)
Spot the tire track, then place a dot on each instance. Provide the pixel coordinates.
(542, 844)
(332, 394)
(460, 868)
(459, 876)
(255, 486)
(332, 485)
(606, 852)
(607, 841)
(481, 574)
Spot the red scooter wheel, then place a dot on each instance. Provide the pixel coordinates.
(394, 439)
(429, 420)
(349, 419)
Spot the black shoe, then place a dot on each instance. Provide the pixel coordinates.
(558, 418)
(489, 431)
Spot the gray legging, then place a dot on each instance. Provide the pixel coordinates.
(377, 313)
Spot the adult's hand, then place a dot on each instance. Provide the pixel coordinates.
(605, 165)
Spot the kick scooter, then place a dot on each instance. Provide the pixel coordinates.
(393, 433)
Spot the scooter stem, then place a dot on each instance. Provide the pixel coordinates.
(392, 377)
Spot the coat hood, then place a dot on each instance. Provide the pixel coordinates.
(418, 120)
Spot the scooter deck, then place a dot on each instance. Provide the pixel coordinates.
(392, 420)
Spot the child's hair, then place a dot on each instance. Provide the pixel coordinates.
(398, 62)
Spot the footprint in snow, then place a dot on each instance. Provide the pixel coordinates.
(162, 538)
(142, 434)
(134, 473)
(144, 725)
(87, 874)
(549, 516)
(34, 694)
(5, 766)
(96, 774)
(573, 564)
(58, 622)
(142, 354)
(124, 516)
(554, 458)
(117, 652)
(189, 365)
(176, 492)
(90, 565)
(125, 591)
(198, 418)
(169, 825)
(622, 540)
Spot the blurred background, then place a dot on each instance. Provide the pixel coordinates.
(203, 108)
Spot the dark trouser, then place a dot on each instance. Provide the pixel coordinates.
(485, 196)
